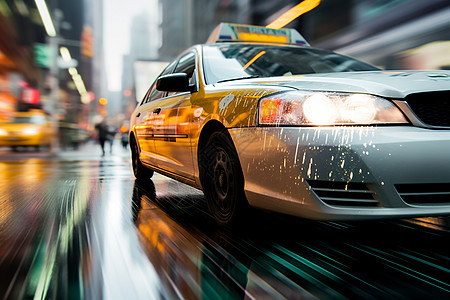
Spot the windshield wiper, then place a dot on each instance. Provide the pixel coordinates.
(239, 78)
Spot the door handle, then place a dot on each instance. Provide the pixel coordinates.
(138, 114)
(157, 110)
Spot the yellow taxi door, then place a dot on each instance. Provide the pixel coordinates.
(144, 124)
(145, 119)
(172, 125)
(171, 136)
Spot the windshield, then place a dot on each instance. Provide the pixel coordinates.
(229, 61)
(29, 120)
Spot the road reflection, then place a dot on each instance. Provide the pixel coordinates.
(191, 267)
(84, 229)
(66, 232)
(22, 217)
(125, 271)
(279, 257)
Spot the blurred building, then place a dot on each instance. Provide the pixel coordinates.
(188, 22)
(393, 34)
(98, 79)
(33, 71)
(176, 27)
(72, 32)
(145, 39)
(19, 75)
(388, 33)
(144, 45)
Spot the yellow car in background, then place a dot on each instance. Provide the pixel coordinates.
(25, 129)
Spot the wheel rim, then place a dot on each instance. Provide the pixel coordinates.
(223, 181)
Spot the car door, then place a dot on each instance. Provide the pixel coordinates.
(145, 118)
(172, 127)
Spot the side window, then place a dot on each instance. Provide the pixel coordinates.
(186, 64)
(153, 93)
(144, 100)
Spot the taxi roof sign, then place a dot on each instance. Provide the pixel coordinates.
(226, 32)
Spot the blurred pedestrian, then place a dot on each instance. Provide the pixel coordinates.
(124, 136)
(111, 134)
(103, 134)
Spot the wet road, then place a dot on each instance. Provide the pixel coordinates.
(77, 226)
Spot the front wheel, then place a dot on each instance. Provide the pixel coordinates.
(139, 170)
(223, 181)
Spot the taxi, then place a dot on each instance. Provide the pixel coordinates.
(25, 129)
(256, 117)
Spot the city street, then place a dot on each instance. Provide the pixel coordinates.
(75, 225)
(273, 114)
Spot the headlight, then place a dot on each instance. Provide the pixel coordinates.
(322, 108)
(30, 131)
(3, 132)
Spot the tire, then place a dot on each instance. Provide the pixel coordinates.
(223, 181)
(139, 170)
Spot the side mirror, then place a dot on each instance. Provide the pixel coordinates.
(177, 82)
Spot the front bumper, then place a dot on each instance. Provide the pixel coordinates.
(24, 140)
(346, 173)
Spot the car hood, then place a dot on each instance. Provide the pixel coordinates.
(391, 84)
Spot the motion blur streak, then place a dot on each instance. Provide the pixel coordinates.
(45, 16)
(293, 13)
(285, 258)
(76, 241)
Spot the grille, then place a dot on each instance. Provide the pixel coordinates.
(343, 194)
(425, 194)
(432, 108)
